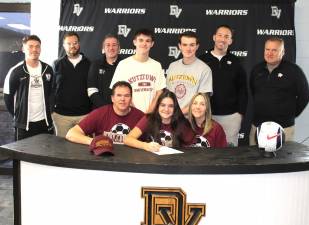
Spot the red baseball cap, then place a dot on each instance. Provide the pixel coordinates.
(102, 145)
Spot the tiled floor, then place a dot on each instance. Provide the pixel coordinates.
(6, 200)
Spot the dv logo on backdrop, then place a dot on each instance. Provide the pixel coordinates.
(173, 51)
(77, 9)
(168, 206)
(175, 10)
(275, 11)
(123, 30)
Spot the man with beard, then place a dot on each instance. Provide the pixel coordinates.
(71, 102)
(230, 96)
(102, 71)
(27, 90)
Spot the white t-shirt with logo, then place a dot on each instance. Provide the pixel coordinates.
(36, 94)
(145, 78)
(186, 80)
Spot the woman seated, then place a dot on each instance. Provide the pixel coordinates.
(208, 133)
(165, 126)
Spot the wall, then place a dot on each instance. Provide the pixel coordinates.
(44, 23)
(302, 59)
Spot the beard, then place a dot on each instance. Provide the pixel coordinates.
(73, 52)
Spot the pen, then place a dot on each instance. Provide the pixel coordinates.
(152, 139)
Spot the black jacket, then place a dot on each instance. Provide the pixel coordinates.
(279, 96)
(17, 86)
(70, 87)
(230, 91)
(99, 78)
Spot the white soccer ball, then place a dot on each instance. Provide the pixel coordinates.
(166, 138)
(270, 136)
(201, 141)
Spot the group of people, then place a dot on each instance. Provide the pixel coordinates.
(201, 101)
(164, 126)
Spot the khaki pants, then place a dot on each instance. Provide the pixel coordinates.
(231, 126)
(64, 123)
(288, 132)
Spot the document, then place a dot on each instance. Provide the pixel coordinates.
(167, 151)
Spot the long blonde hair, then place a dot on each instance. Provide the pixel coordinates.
(208, 115)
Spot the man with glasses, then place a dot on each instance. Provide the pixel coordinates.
(70, 86)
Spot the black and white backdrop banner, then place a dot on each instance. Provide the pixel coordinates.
(252, 20)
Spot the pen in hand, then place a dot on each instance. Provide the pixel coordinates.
(153, 146)
(152, 139)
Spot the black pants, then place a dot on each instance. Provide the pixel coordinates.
(35, 128)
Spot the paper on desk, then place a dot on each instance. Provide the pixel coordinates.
(167, 151)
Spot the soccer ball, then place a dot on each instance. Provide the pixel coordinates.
(270, 136)
(120, 128)
(201, 141)
(166, 138)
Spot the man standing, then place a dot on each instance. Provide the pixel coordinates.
(143, 73)
(70, 86)
(102, 71)
(27, 90)
(279, 89)
(189, 75)
(113, 120)
(230, 97)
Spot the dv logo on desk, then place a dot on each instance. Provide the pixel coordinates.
(168, 206)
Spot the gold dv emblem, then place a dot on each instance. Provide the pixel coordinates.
(168, 206)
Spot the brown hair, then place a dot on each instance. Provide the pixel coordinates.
(189, 34)
(31, 38)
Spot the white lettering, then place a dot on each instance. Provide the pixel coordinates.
(226, 12)
(77, 28)
(163, 30)
(125, 11)
(275, 32)
(127, 51)
(240, 53)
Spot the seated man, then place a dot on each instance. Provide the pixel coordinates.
(113, 120)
